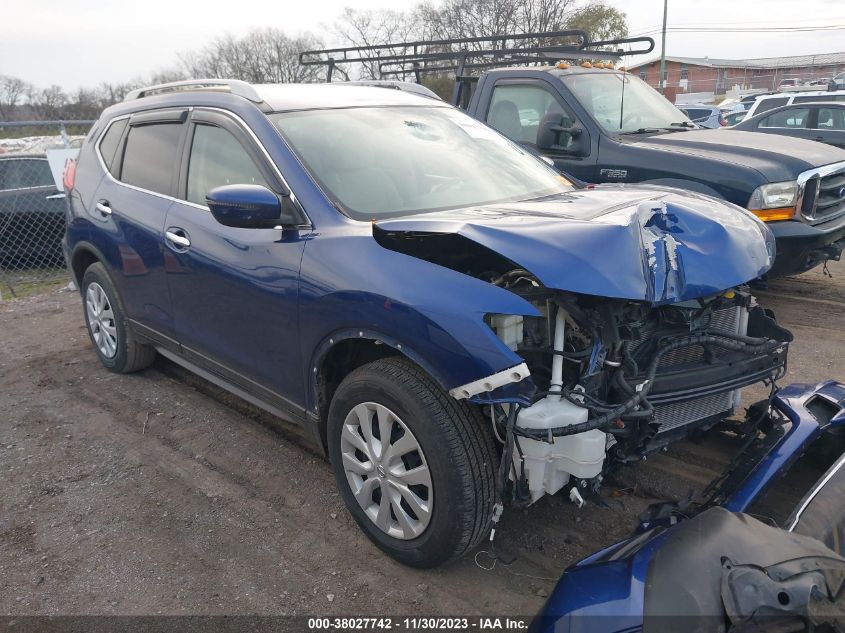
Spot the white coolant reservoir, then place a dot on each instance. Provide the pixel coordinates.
(549, 466)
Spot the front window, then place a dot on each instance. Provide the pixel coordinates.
(516, 110)
(621, 103)
(391, 161)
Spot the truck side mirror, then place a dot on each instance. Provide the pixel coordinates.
(557, 133)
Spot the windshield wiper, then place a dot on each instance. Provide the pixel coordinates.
(643, 130)
(684, 124)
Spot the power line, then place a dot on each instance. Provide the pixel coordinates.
(783, 29)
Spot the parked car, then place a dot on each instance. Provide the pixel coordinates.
(837, 82)
(706, 116)
(822, 122)
(604, 125)
(735, 117)
(724, 565)
(32, 214)
(407, 283)
(789, 83)
(768, 102)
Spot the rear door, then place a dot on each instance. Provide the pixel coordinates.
(828, 125)
(234, 290)
(140, 154)
(32, 215)
(516, 108)
(792, 121)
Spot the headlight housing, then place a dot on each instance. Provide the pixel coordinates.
(774, 201)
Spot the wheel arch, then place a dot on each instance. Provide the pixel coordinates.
(83, 255)
(341, 353)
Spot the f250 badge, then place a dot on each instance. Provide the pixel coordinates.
(614, 174)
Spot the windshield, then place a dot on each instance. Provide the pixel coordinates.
(642, 107)
(391, 161)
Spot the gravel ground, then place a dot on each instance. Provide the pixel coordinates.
(156, 493)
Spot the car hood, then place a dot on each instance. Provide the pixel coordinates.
(776, 157)
(623, 241)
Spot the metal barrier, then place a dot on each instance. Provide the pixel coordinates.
(32, 204)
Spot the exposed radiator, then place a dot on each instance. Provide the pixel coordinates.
(677, 414)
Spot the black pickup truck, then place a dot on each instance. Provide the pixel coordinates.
(604, 125)
(601, 125)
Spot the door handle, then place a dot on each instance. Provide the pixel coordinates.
(178, 238)
(103, 207)
(819, 138)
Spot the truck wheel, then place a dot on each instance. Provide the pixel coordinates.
(415, 467)
(106, 321)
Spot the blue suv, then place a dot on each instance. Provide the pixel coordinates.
(455, 322)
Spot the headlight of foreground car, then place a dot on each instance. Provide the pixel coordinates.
(774, 201)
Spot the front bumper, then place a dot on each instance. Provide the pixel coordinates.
(802, 246)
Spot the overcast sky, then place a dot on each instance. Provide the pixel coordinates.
(83, 42)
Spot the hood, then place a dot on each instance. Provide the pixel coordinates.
(622, 241)
(777, 158)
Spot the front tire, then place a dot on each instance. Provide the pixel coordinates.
(415, 467)
(108, 327)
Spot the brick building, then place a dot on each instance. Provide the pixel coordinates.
(704, 74)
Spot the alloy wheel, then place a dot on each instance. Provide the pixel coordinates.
(101, 320)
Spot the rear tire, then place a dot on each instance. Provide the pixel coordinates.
(437, 443)
(108, 327)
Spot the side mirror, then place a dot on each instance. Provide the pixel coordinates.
(557, 133)
(249, 207)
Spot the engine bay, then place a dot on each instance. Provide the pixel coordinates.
(618, 379)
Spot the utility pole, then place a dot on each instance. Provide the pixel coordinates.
(663, 50)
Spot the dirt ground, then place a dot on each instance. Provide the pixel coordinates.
(156, 493)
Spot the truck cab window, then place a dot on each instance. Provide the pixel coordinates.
(517, 109)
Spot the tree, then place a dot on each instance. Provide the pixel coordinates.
(600, 21)
(370, 27)
(262, 56)
(12, 91)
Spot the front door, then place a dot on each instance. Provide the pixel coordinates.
(234, 291)
(517, 107)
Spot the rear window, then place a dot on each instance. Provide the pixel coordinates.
(698, 114)
(25, 173)
(768, 104)
(149, 160)
(814, 98)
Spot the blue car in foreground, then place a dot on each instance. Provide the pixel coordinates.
(455, 322)
(726, 565)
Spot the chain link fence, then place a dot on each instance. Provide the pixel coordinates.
(32, 203)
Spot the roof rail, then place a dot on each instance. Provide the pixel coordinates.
(235, 86)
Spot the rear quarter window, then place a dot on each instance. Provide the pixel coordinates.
(149, 158)
(110, 141)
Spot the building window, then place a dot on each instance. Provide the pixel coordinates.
(684, 71)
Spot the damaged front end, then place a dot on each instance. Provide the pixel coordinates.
(618, 379)
(646, 329)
